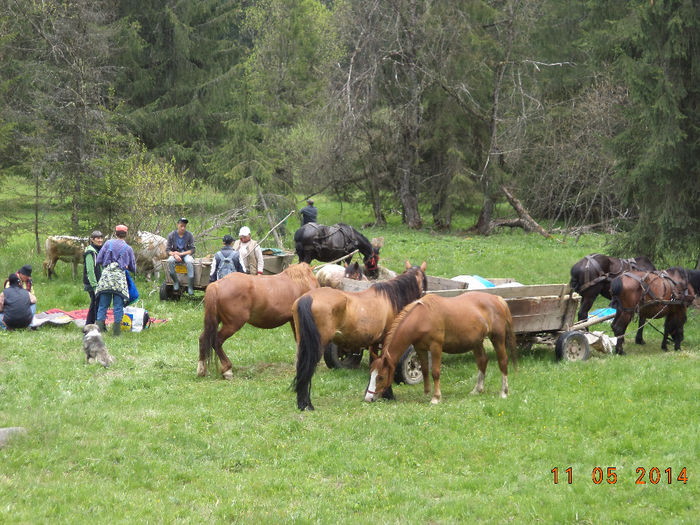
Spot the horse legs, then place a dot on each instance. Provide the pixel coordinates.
(423, 358)
(639, 339)
(587, 300)
(502, 356)
(436, 354)
(223, 334)
(619, 325)
(481, 362)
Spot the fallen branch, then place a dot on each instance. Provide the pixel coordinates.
(274, 228)
(337, 260)
(526, 221)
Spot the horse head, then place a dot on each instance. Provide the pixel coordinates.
(371, 261)
(354, 271)
(380, 378)
(420, 276)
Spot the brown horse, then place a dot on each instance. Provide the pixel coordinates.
(653, 294)
(454, 325)
(265, 301)
(593, 274)
(352, 320)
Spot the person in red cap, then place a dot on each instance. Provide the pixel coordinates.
(115, 257)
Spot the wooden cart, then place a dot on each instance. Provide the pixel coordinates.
(542, 313)
(274, 262)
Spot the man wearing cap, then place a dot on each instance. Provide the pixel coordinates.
(250, 253)
(308, 213)
(181, 249)
(92, 272)
(24, 274)
(115, 257)
(225, 261)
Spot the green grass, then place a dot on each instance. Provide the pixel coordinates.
(148, 441)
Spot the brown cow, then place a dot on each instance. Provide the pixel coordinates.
(64, 248)
(149, 249)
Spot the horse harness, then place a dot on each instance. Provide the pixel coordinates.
(593, 266)
(679, 293)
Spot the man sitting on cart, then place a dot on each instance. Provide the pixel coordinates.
(181, 250)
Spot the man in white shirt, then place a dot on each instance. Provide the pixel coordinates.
(250, 253)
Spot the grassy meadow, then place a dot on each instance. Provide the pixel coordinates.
(146, 441)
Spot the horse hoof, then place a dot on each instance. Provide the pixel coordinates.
(228, 375)
(201, 369)
(434, 401)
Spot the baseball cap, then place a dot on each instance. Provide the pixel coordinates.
(244, 231)
(310, 201)
(121, 228)
(227, 239)
(183, 220)
(26, 270)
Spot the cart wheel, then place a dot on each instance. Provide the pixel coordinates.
(163, 292)
(572, 346)
(336, 357)
(408, 370)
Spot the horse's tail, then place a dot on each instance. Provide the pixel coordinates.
(211, 325)
(615, 291)
(511, 343)
(309, 349)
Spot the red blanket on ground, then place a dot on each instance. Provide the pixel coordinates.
(82, 314)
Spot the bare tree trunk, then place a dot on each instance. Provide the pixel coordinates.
(270, 221)
(36, 212)
(526, 221)
(379, 218)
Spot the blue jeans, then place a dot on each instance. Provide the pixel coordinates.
(118, 303)
(189, 262)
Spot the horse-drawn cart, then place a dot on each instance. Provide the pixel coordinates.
(542, 314)
(275, 261)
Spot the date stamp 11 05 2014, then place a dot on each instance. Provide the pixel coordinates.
(653, 476)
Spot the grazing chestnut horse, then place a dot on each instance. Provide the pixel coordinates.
(593, 274)
(454, 325)
(352, 320)
(653, 294)
(265, 301)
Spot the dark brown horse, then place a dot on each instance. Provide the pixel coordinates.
(452, 325)
(329, 243)
(653, 294)
(265, 301)
(352, 320)
(593, 274)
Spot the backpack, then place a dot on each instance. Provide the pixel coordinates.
(226, 266)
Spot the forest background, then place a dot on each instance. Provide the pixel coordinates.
(586, 113)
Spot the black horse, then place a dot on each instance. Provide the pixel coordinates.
(593, 274)
(328, 243)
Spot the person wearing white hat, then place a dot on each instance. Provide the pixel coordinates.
(250, 252)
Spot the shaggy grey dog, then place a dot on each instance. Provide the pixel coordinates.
(94, 346)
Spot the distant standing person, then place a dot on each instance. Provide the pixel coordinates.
(16, 305)
(115, 257)
(226, 261)
(181, 249)
(250, 253)
(24, 274)
(308, 213)
(92, 272)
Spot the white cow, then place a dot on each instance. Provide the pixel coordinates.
(149, 249)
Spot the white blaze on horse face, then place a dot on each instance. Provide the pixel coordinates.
(369, 393)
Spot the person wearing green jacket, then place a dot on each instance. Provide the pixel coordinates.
(92, 272)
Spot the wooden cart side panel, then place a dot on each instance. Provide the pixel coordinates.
(534, 290)
(542, 314)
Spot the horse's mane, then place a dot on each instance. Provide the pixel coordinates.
(300, 273)
(402, 289)
(692, 276)
(426, 301)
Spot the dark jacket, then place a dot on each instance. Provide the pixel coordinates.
(226, 251)
(18, 307)
(188, 238)
(308, 214)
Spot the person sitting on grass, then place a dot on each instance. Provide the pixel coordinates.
(16, 305)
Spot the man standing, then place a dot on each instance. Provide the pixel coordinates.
(250, 253)
(181, 249)
(115, 257)
(92, 272)
(226, 261)
(308, 213)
